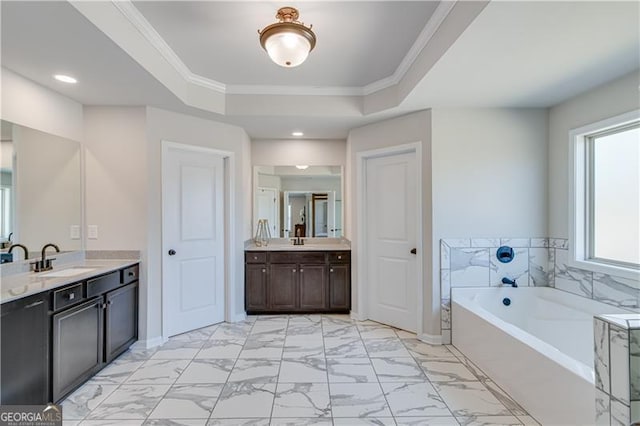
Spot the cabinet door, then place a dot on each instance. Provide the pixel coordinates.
(313, 287)
(255, 293)
(121, 320)
(77, 345)
(339, 287)
(24, 349)
(282, 287)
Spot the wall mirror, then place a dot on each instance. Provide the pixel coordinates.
(303, 201)
(40, 190)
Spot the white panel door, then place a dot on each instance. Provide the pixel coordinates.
(391, 225)
(193, 239)
(268, 209)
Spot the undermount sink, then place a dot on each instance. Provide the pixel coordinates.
(67, 272)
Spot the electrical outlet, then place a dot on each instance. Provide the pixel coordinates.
(74, 232)
(92, 232)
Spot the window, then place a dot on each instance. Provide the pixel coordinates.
(605, 223)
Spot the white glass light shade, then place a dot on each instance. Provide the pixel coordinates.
(287, 49)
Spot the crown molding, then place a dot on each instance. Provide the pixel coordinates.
(135, 17)
(439, 15)
(293, 90)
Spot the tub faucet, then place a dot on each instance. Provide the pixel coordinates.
(44, 264)
(510, 282)
(26, 250)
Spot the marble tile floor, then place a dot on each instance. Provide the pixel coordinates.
(293, 370)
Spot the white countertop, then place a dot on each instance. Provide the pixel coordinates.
(18, 286)
(311, 244)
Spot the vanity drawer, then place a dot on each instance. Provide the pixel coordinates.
(129, 274)
(103, 284)
(256, 257)
(67, 296)
(298, 257)
(339, 257)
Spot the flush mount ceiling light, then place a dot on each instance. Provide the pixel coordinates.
(288, 42)
(65, 78)
(297, 134)
(305, 167)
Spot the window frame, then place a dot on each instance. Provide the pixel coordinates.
(581, 197)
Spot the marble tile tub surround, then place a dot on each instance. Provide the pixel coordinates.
(617, 369)
(327, 369)
(472, 262)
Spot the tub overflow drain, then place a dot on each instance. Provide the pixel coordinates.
(506, 301)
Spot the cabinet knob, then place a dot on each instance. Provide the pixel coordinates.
(264, 270)
(301, 270)
(293, 270)
(339, 257)
(255, 257)
(71, 296)
(331, 270)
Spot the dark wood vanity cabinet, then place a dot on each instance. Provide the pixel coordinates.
(24, 371)
(54, 341)
(256, 298)
(297, 281)
(339, 280)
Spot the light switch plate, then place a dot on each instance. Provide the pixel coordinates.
(92, 232)
(74, 232)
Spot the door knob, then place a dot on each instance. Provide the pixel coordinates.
(172, 252)
(414, 251)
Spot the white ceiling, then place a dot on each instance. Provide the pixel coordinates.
(524, 54)
(358, 42)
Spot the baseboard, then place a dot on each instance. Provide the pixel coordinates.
(432, 339)
(148, 344)
(356, 316)
(238, 317)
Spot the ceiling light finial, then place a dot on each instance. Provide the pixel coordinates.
(288, 42)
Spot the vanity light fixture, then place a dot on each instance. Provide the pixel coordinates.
(297, 134)
(288, 42)
(302, 167)
(65, 78)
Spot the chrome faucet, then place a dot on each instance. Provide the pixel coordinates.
(26, 250)
(44, 264)
(507, 281)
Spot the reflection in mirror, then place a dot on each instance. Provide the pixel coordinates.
(303, 201)
(41, 190)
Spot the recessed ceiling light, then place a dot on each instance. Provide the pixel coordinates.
(65, 78)
(297, 134)
(305, 167)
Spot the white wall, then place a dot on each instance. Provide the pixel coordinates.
(179, 128)
(410, 128)
(116, 176)
(289, 152)
(609, 100)
(29, 104)
(489, 173)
